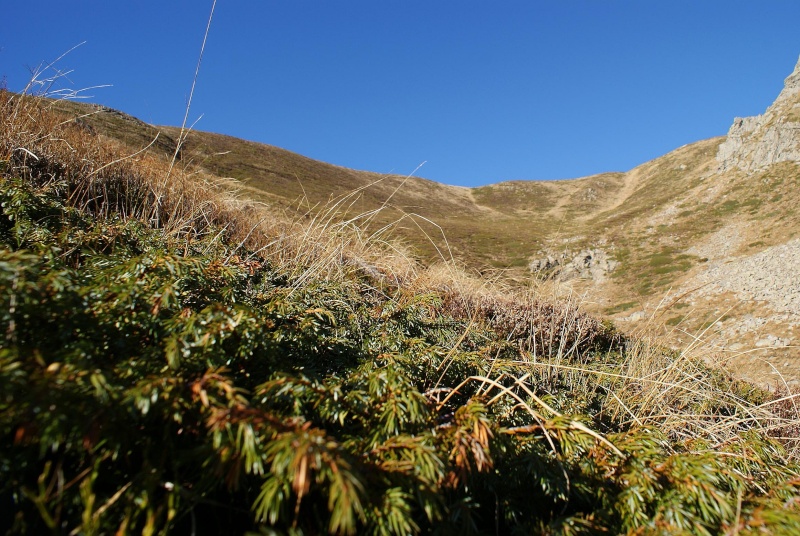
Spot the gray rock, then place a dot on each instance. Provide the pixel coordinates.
(545, 264)
(771, 341)
(769, 276)
(587, 264)
(635, 317)
(754, 143)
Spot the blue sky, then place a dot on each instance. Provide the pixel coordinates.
(480, 91)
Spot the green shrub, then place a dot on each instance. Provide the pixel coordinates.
(159, 382)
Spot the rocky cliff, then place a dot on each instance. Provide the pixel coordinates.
(755, 143)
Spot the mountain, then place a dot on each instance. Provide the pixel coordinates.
(195, 352)
(701, 242)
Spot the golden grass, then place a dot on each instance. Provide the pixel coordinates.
(650, 386)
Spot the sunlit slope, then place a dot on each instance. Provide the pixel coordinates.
(176, 356)
(669, 225)
(660, 208)
(496, 226)
(646, 218)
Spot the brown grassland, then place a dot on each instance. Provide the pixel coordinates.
(249, 340)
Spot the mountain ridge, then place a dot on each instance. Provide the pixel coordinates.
(178, 355)
(668, 226)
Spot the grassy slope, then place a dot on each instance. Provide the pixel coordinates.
(608, 206)
(229, 372)
(648, 218)
(541, 210)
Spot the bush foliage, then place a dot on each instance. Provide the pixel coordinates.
(155, 382)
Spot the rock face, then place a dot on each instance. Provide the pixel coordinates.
(753, 143)
(588, 264)
(770, 276)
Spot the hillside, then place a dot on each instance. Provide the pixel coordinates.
(183, 353)
(651, 247)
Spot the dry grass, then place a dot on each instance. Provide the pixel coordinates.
(646, 218)
(644, 383)
(683, 391)
(106, 178)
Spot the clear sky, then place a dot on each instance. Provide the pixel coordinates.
(481, 91)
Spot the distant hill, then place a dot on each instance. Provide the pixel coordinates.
(703, 241)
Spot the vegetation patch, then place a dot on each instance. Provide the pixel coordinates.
(675, 320)
(621, 307)
(169, 366)
(668, 261)
(727, 207)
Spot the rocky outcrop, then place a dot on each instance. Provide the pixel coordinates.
(121, 115)
(770, 276)
(588, 264)
(754, 143)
